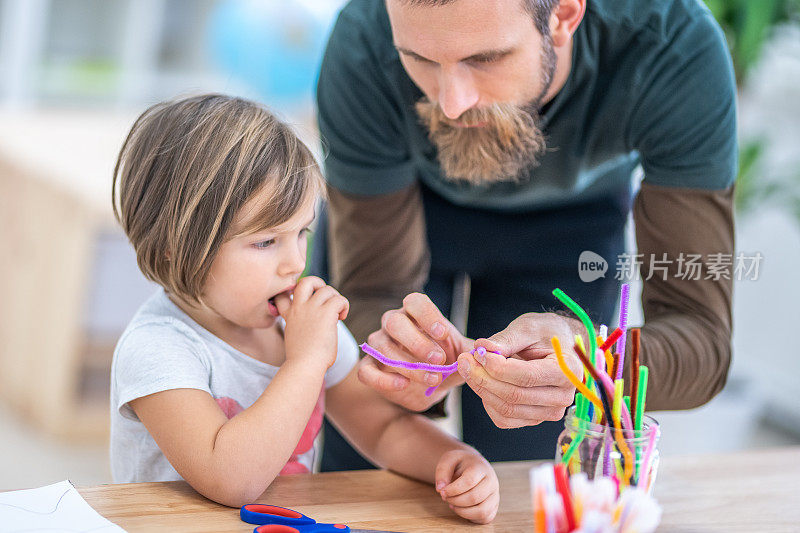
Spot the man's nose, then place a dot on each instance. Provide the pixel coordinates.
(457, 91)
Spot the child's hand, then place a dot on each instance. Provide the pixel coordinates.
(467, 481)
(311, 318)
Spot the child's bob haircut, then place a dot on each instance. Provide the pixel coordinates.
(185, 170)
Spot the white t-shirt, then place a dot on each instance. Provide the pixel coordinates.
(162, 349)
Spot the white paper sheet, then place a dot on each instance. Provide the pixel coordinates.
(54, 508)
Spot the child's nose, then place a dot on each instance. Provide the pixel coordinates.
(293, 261)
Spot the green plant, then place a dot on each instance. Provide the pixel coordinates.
(753, 191)
(748, 192)
(747, 25)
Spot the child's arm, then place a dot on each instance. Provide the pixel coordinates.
(412, 445)
(234, 461)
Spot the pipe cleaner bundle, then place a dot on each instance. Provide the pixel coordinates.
(563, 504)
(629, 448)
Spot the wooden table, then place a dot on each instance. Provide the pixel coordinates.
(743, 491)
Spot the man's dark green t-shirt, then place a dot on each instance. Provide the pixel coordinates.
(651, 84)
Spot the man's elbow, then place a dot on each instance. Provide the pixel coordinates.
(720, 353)
(720, 377)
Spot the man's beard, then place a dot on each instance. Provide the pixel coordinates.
(508, 141)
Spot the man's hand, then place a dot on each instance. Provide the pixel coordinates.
(524, 386)
(416, 333)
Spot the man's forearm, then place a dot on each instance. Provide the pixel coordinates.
(366, 311)
(688, 361)
(378, 253)
(686, 338)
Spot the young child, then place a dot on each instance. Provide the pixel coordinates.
(224, 374)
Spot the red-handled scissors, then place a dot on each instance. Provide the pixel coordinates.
(274, 519)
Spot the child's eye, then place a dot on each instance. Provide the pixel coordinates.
(265, 244)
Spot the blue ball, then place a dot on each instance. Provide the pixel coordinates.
(275, 46)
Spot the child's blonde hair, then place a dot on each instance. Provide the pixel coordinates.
(185, 170)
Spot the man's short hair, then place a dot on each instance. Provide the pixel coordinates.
(540, 10)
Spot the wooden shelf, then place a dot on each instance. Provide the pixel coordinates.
(55, 202)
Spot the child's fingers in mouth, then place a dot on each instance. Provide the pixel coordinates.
(280, 302)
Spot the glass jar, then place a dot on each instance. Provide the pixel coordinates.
(593, 449)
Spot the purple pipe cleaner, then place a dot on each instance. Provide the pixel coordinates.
(623, 325)
(369, 350)
(446, 370)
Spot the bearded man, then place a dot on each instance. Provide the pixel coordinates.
(495, 141)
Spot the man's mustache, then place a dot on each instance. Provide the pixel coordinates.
(484, 145)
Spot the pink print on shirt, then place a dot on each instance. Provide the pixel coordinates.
(229, 406)
(302, 458)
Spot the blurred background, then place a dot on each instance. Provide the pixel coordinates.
(74, 74)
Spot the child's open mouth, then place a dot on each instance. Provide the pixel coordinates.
(273, 309)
